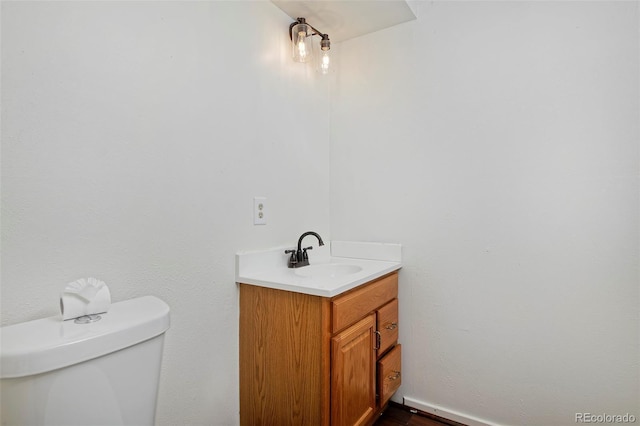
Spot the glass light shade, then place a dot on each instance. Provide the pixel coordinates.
(301, 43)
(324, 60)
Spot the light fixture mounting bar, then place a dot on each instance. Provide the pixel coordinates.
(326, 44)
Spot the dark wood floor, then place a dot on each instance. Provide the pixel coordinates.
(396, 415)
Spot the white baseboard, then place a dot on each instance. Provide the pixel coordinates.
(445, 413)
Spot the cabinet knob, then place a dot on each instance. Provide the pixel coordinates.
(391, 326)
(395, 376)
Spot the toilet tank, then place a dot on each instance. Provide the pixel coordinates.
(55, 372)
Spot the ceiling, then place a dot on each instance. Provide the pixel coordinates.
(347, 19)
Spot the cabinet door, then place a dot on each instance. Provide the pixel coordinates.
(353, 374)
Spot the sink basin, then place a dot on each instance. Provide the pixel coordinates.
(327, 270)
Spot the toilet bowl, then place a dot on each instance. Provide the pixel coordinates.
(55, 372)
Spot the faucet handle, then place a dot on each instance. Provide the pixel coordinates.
(305, 256)
(293, 259)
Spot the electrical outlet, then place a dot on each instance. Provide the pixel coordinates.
(259, 210)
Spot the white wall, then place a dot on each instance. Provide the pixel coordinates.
(135, 136)
(498, 142)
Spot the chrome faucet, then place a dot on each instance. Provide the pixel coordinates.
(300, 257)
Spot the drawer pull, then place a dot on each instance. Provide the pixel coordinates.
(391, 326)
(395, 376)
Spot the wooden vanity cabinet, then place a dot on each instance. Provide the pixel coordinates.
(311, 360)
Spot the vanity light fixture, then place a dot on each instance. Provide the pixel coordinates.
(301, 34)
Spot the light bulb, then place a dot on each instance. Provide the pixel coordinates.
(324, 62)
(302, 49)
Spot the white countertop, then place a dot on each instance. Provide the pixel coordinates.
(268, 268)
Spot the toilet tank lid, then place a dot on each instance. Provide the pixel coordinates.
(47, 344)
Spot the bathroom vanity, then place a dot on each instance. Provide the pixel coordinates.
(325, 352)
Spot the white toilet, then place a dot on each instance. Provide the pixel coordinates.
(55, 372)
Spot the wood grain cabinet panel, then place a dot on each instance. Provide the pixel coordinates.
(350, 307)
(311, 360)
(353, 374)
(284, 358)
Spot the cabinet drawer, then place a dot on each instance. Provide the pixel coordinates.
(387, 325)
(349, 308)
(389, 374)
